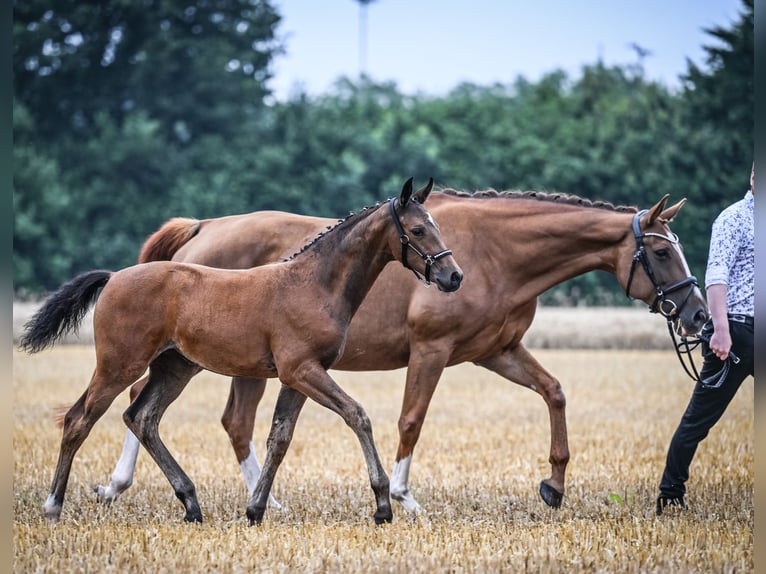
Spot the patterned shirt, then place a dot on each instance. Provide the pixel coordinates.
(731, 260)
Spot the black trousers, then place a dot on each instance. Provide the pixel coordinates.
(706, 406)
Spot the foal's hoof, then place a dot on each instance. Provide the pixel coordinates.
(255, 515)
(550, 495)
(52, 510)
(385, 518)
(193, 517)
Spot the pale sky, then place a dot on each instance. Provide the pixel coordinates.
(430, 46)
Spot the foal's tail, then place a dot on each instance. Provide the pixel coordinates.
(63, 311)
(163, 243)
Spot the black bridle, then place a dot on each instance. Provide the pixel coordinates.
(428, 260)
(661, 304)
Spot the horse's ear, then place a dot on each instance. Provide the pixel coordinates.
(422, 194)
(656, 211)
(668, 215)
(404, 197)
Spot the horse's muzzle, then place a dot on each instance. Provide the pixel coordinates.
(449, 281)
(691, 325)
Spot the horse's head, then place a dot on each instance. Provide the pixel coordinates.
(418, 232)
(658, 273)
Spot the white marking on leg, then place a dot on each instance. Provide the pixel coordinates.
(51, 509)
(251, 471)
(122, 476)
(400, 490)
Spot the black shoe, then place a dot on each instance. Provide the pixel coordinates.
(664, 501)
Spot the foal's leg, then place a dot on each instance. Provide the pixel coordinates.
(519, 366)
(423, 372)
(168, 376)
(238, 420)
(286, 411)
(314, 382)
(122, 475)
(78, 422)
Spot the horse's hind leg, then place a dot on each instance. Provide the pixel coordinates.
(238, 420)
(286, 411)
(168, 376)
(519, 366)
(78, 423)
(122, 475)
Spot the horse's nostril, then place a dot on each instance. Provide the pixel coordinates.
(700, 316)
(456, 278)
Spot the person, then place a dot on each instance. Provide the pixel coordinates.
(727, 341)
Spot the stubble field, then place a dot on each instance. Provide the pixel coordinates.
(476, 469)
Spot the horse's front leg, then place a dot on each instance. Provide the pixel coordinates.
(314, 382)
(519, 366)
(286, 411)
(168, 376)
(238, 420)
(423, 372)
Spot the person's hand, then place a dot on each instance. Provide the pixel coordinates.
(720, 343)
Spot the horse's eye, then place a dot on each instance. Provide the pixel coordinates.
(662, 253)
(418, 231)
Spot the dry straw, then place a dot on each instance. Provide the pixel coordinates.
(483, 451)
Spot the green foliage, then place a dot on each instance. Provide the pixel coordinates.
(196, 67)
(627, 498)
(718, 123)
(127, 114)
(42, 242)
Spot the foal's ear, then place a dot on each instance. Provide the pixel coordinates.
(668, 215)
(422, 194)
(404, 197)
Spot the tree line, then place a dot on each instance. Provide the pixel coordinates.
(127, 114)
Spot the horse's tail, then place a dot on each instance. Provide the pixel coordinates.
(163, 243)
(63, 311)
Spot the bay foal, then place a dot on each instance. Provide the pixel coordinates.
(286, 320)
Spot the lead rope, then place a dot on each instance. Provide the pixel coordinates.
(688, 348)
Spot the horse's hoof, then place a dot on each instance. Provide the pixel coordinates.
(102, 496)
(408, 502)
(52, 510)
(550, 495)
(255, 515)
(193, 517)
(383, 518)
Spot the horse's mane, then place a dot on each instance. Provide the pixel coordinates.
(563, 198)
(357, 217)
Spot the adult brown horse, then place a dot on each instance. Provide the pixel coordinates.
(516, 245)
(287, 319)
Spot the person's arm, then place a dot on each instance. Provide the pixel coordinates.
(720, 342)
